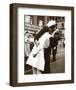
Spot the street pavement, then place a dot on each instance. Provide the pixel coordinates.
(59, 65)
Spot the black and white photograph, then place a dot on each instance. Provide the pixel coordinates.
(44, 44)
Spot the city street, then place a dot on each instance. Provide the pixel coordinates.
(57, 66)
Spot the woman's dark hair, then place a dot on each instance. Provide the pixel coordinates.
(42, 31)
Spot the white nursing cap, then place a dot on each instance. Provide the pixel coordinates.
(51, 23)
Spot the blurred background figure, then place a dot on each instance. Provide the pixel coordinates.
(29, 42)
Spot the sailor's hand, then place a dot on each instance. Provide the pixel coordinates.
(37, 43)
(34, 55)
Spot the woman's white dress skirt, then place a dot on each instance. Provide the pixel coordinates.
(38, 61)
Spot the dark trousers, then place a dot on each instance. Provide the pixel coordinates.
(47, 53)
(54, 52)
